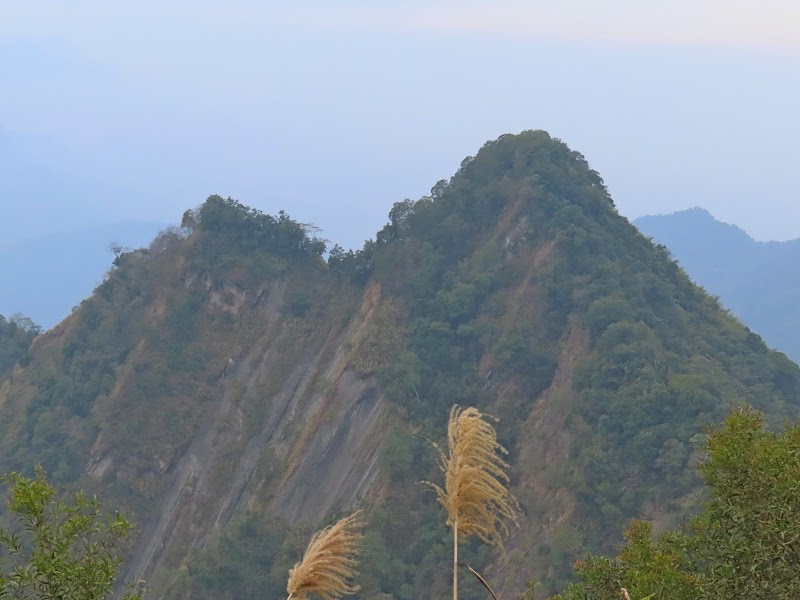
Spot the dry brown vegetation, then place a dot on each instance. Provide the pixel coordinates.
(475, 494)
(329, 562)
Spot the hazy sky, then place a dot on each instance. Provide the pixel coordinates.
(335, 110)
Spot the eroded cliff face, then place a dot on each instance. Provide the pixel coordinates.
(278, 419)
(306, 448)
(257, 408)
(228, 370)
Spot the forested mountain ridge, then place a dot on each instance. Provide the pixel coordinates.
(230, 388)
(14, 343)
(756, 280)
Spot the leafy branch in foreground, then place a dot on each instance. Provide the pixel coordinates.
(66, 550)
(329, 562)
(745, 543)
(475, 495)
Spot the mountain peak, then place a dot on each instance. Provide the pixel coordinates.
(229, 387)
(529, 153)
(694, 225)
(750, 277)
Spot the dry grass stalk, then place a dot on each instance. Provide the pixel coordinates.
(328, 565)
(482, 581)
(475, 494)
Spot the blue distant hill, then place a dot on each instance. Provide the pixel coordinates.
(758, 281)
(45, 277)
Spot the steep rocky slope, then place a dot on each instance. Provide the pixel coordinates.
(231, 389)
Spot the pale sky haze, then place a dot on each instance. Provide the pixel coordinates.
(125, 110)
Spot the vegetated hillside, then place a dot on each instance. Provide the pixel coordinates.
(232, 390)
(756, 280)
(14, 343)
(49, 275)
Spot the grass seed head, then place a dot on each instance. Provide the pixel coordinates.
(328, 565)
(475, 492)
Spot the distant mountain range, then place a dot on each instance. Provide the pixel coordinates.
(757, 281)
(45, 277)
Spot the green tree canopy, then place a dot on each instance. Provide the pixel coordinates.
(63, 549)
(16, 335)
(744, 544)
